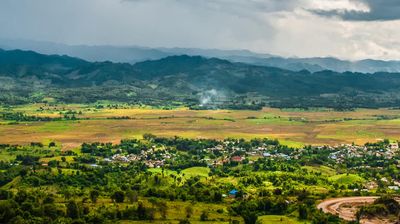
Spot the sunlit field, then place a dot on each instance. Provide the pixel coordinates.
(291, 127)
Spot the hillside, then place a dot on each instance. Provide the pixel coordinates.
(188, 79)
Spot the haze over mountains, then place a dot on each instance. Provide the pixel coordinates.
(133, 54)
(27, 76)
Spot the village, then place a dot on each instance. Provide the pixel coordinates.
(229, 152)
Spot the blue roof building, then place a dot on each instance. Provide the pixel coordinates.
(233, 192)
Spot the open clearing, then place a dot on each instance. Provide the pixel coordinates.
(291, 127)
(346, 179)
(196, 171)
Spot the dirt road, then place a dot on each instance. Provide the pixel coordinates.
(343, 206)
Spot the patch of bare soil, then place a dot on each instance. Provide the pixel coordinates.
(346, 208)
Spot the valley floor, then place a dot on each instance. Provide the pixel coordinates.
(110, 123)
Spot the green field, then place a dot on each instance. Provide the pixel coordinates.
(277, 219)
(196, 171)
(347, 179)
(159, 170)
(324, 170)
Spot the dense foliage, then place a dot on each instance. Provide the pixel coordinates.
(146, 179)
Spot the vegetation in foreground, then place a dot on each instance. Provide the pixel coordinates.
(181, 180)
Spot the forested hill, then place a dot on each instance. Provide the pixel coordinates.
(187, 78)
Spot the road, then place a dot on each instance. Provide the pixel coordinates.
(335, 206)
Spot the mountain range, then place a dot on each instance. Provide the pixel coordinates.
(134, 54)
(27, 76)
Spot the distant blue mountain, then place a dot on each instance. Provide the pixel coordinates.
(133, 54)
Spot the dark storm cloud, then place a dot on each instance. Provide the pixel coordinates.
(154, 23)
(379, 10)
(283, 27)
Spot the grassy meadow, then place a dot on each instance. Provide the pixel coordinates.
(277, 219)
(291, 127)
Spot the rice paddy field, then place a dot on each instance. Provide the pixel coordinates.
(291, 127)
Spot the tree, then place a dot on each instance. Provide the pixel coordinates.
(67, 193)
(359, 214)
(250, 217)
(49, 199)
(8, 210)
(94, 194)
(73, 210)
(204, 216)
(141, 211)
(4, 194)
(189, 211)
(132, 196)
(163, 208)
(118, 196)
(303, 213)
(217, 197)
(52, 163)
(52, 211)
(23, 172)
(184, 221)
(21, 196)
(278, 191)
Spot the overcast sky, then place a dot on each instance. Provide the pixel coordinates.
(350, 29)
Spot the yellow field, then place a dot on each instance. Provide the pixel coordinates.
(292, 127)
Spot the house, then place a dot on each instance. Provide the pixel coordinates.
(371, 185)
(237, 159)
(233, 193)
(266, 154)
(394, 146)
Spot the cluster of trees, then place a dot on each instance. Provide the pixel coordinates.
(19, 116)
(337, 102)
(42, 207)
(98, 149)
(384, 206)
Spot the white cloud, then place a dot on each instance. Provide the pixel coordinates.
(340, 5)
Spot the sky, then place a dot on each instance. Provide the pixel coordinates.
(348, 29)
